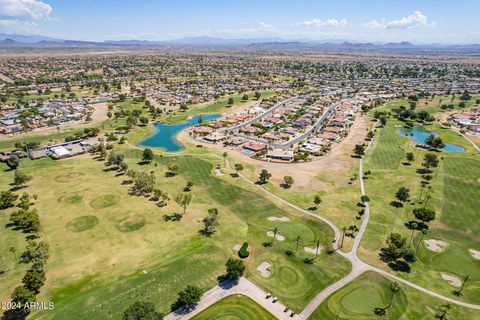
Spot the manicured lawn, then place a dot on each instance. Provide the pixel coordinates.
(108, 248)
(359, 298)
(235, 307)
(454, 196)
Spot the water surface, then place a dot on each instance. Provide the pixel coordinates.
(165, 134)
(419, 134)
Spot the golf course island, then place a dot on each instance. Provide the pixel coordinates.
(269, 196)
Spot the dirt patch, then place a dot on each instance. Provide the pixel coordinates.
(454, 281)
(264, 269)
(336, 164)
(313, 250)
(237, 246)
(475, 253)
(435, 245)
(279, 219)
(279, 237)
(68, 177)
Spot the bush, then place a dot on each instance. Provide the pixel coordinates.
(243, 253)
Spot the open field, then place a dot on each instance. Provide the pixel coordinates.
(358, 299)
(235, 307)
(454, 196)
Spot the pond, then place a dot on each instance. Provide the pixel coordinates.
(165, 135)
(419, 134)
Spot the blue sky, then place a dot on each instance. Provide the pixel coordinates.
(420, 21)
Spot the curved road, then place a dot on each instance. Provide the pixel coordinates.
(358, 267)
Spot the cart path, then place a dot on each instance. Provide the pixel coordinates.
(252, 291)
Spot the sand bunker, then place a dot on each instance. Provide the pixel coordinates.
(218, 172)
(455, 281)
(279, 218)
(279, 237)
(313, 250)
(263, 268)
(435, 245)
(237, 246)
(475, 253)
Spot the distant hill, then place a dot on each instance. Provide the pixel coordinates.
(17, 40)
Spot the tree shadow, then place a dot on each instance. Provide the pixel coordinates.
(400, 265)
(172, 217)
(226, 283)
(205, 232)
(396, 204)
(312, 208)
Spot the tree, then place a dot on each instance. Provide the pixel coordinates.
(7, 199)
(317, 200)
(298, 240)
(383, 121)
(142, 310)
(173, 169)
(238, 168)
(264, 176)
(35, 252)
(115, 159)
(143, 120)
(188, 186)
(21, 296)
(410, 157)
(147, 155)
(459, 291)
(211, 221)
(288, 181)
(225, 155)
(430, 160)
(188, 298)
(434, 142)
(183, 200)
(424, 214)
(245, 97)
(13, 162)
(230, 101)
(359, 150)
(394, 288)
(257, 95)
(234, 269)
(14, 252)
(403, 194)
(443, 310)
(20, 178)
(34, 280)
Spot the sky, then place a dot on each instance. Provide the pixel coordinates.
(417, 21)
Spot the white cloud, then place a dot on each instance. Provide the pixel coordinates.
(266, 25)
(322, 23)
(415, 20)
(23, 15)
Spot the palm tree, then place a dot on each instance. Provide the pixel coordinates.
(14, 251)
(424, 232)
(317, 247)
(225, 159)
(298, 240)
(459, 291)
(394, 288)
(275, 232)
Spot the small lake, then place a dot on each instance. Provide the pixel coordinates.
(165, 134)
(419, 134)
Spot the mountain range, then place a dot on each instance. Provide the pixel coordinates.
(18, 40)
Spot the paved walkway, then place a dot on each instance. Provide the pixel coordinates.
(249, 289)
(244, 287)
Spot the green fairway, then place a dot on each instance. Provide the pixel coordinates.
(234, 307)
(358, 299)
(120, 246)
(454, 191)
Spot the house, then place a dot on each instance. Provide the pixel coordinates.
(278, 154)
(254, 146)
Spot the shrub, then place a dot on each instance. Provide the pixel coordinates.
(243, 253)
